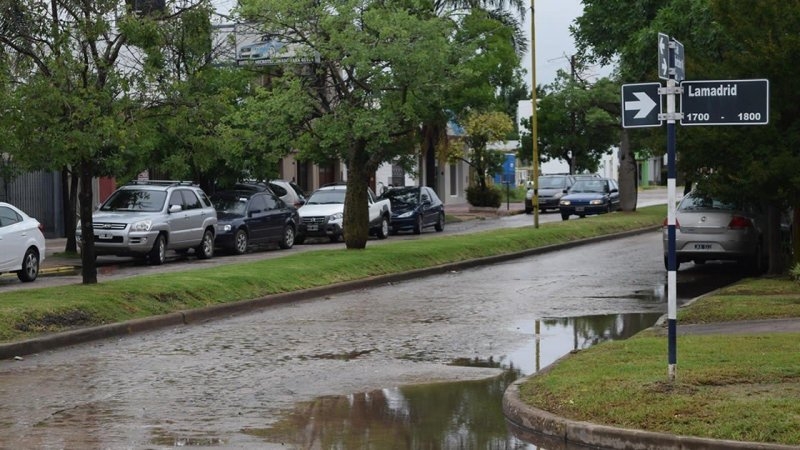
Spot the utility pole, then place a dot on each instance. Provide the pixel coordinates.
(534, 131)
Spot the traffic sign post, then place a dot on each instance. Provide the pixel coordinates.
(725, 102)
(639, 103)
(714, 102)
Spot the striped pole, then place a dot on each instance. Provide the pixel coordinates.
(672, 275)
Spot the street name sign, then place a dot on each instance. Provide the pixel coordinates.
(663, 56)
(641, 104)
(664, 63)
(725, 102)
(677, 63)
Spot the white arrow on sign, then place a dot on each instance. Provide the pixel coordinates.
(644, 104)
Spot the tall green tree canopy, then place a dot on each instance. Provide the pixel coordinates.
(722, 40)
(379, 65)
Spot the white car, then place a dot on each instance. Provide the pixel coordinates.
(22, 243)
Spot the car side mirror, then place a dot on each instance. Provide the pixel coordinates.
(175, 208)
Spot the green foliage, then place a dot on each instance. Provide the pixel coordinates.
(577, 122)
(483, 196)
(794, 272)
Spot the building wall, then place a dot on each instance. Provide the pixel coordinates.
(39, 194)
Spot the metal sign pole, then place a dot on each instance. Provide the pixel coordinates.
(672, 309)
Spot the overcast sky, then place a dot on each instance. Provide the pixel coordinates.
(554, 44)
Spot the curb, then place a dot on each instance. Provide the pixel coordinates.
(542, 427)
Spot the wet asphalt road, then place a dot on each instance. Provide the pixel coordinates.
(209, 384)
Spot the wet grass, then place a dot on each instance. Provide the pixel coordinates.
(738, 387)
(29, 313)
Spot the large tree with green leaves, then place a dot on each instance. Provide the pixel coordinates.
(379, 64)
(722, 40)
(76, 107)
(578, 121)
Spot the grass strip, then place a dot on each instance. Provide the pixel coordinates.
(738, 387)
(30, 313)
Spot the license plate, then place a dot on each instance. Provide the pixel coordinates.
(312, 227)
(702, 246)
(579, 208)
(105, 236)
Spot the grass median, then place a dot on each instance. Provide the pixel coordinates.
(740, 387)
(30, 313)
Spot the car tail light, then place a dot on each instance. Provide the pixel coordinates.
(41, 227)
(740, 223)
(677, 224)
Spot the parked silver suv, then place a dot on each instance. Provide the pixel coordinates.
(147, 218)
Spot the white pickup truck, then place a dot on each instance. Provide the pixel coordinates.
(323, 213)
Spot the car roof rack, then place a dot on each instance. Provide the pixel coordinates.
(161, 182)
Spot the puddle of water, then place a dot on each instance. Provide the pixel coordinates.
(463, 415)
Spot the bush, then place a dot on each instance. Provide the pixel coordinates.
(794, 273)
(483, 197)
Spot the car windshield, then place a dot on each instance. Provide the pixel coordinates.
(695, 201)
(598, 186)
(552, 182)
(135, 200)
(327, 197)
(402, 197)
(230, 204)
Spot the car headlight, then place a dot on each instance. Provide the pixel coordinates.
(564, 203)
(335, 217)
(405, 215)
(225, 228)
(143, 225)
(597, 202)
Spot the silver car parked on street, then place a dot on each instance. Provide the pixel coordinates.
(708, 229)
(147, 218)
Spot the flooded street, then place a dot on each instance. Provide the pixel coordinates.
(420, 364)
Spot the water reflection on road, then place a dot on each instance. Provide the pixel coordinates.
(462, 415)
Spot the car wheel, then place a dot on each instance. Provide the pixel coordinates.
(30, 266)
(288, 237)
(564, 216)
(158, 254)
(418, 224)
(383, 231)
(206, 248)
(334, 238)
(582, 216)
(299, 239)
(439, 223)
(240, 242)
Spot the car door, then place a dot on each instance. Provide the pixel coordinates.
(276, 212)
(179, 221)
(12, 239)
(257, 219)
(194, 216)
(426, 207)
(614, 195)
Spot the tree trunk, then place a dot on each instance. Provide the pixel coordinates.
(356, 208)
(628, 188)
(88, 263)
(69, 187)
(430, 135)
